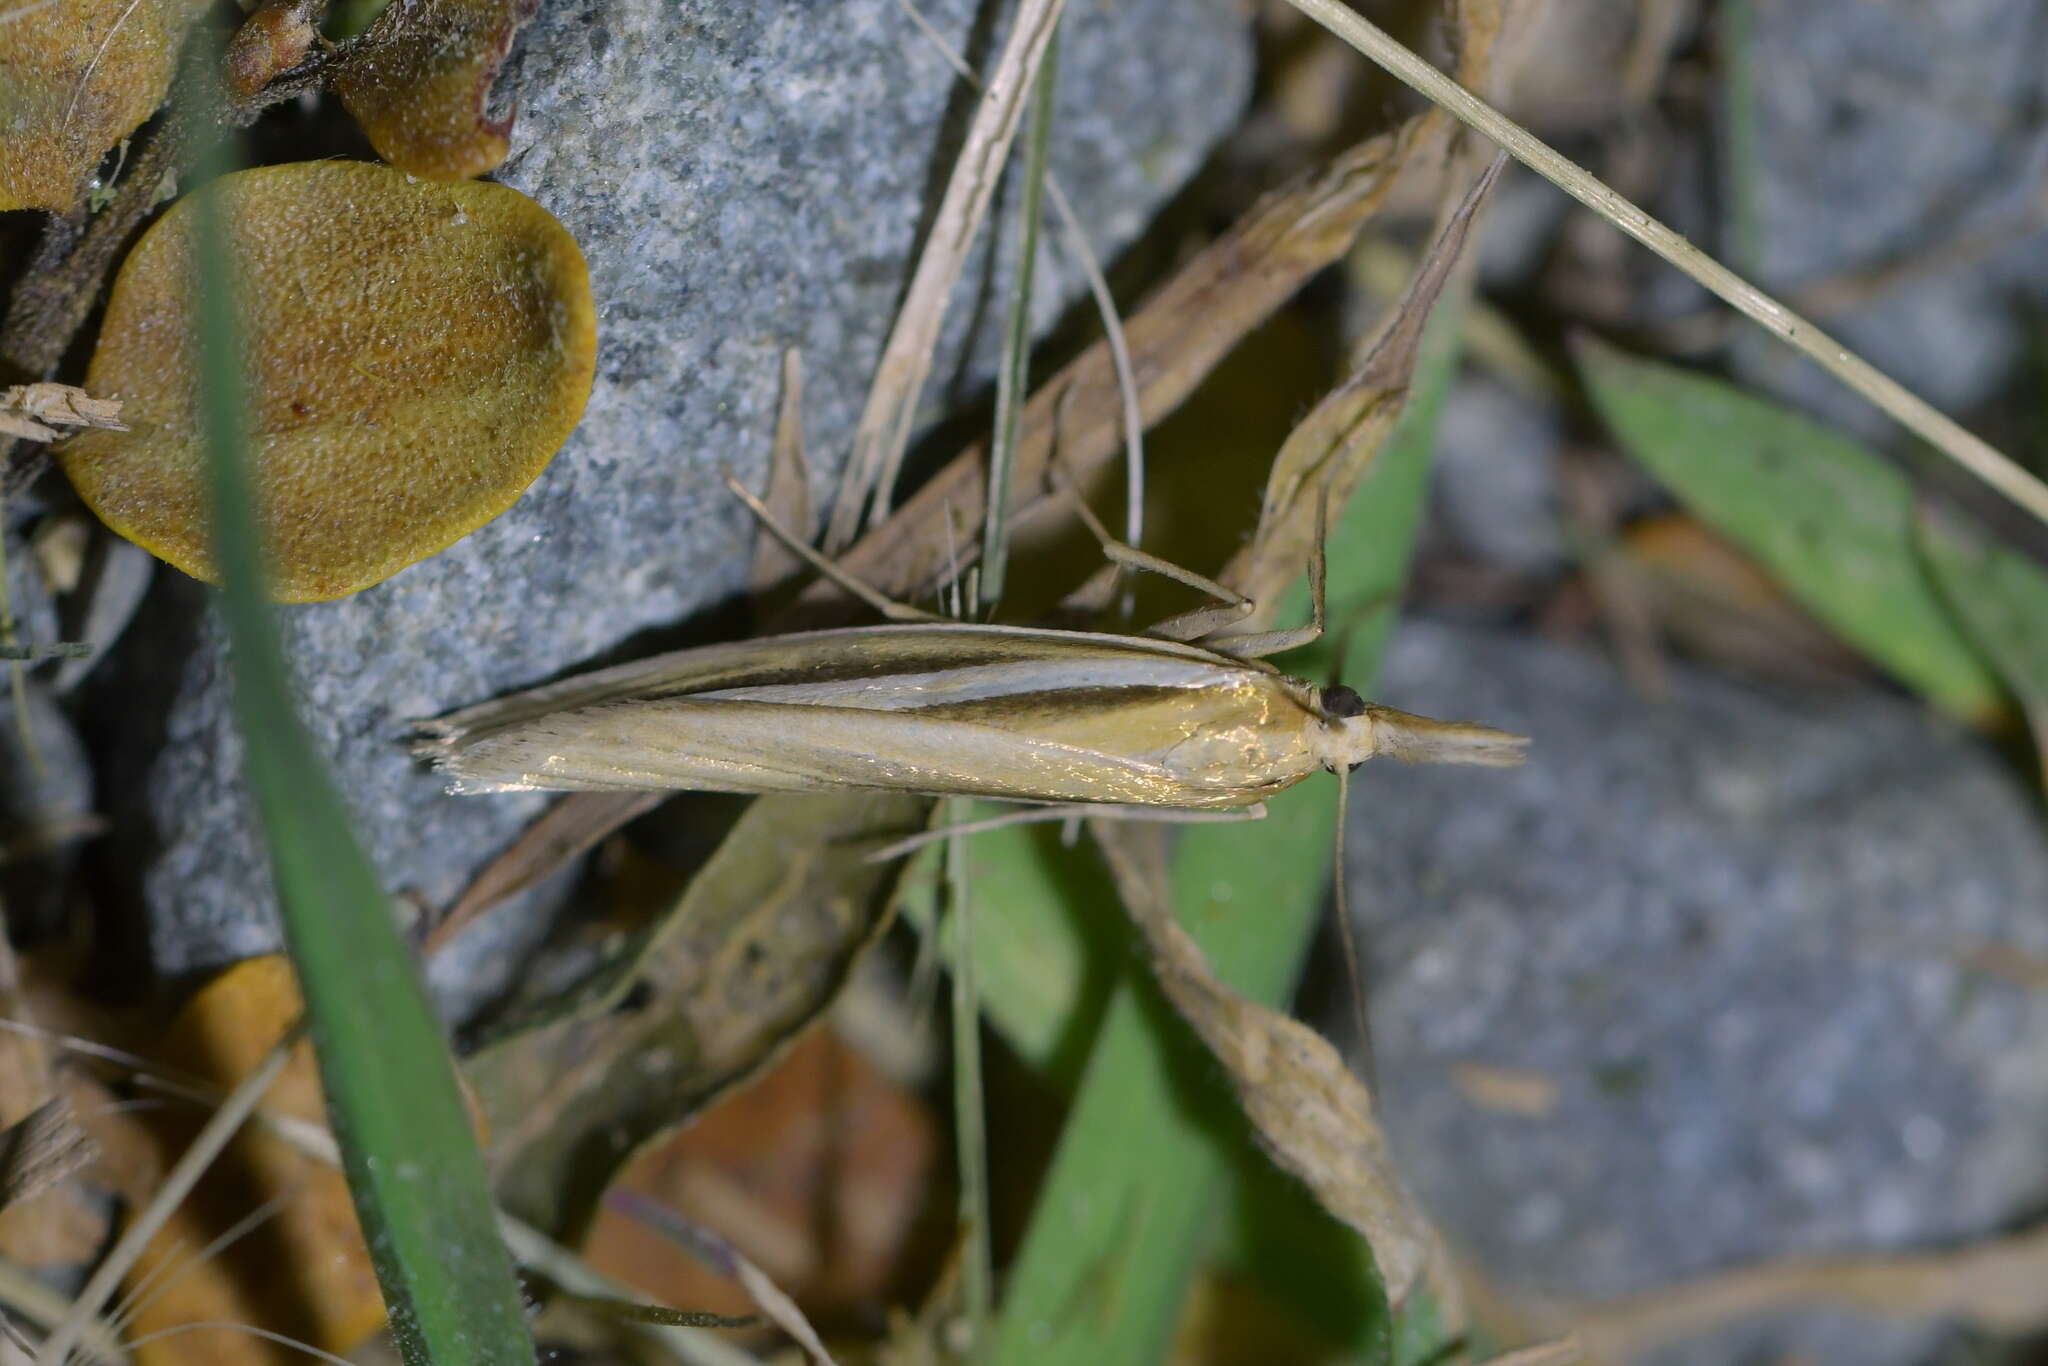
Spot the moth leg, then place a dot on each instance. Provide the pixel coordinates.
(1229, 606)
(888, 607)
(1069, 811)
(1259, 644)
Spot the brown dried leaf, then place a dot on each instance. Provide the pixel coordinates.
(1175, 339)
(749, 958)
(419, 82)
(818, 1172)
(77, 76)
(1330, 450)
(1309, 1112)
(564, 831)
(415, 353)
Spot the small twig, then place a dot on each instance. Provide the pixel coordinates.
(1914, 413)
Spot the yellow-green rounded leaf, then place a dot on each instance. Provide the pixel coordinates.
(414, 354)
(77, 76)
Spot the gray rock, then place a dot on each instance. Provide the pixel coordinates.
(1493, 478)
(1887, 131)
(46, 803)
(742, 178)
(1734, 932)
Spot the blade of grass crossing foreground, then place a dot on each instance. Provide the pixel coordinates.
(411, 1160)
(1154, 1135)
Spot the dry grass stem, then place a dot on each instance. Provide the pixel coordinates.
(177, 1184)
(1914, 413)
(884, 431)
(1175, 340)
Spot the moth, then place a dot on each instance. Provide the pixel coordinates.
(1010, 712)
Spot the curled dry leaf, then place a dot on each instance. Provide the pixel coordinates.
(1310, 1114)
(415, 353)
(37, 411)
(1330, 450)
(419, 82)
(77, 76)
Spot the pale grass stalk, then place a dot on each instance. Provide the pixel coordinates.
(1912, 412)
(1105, 304)
(884, 431)
(177, 1184)
(36, 1302)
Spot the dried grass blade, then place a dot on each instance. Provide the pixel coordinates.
(719, 1254)
(788, 495)
(884, 431)
(1175, 339)
(1330, 450)
(1310, 1114)
(565, 831)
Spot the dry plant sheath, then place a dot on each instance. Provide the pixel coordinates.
(1008, 712)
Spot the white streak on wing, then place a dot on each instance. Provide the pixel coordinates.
(975, 683)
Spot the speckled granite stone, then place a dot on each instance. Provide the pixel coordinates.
(743, 178)
(1740, 933)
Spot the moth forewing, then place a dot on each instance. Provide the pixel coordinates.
(992, 711)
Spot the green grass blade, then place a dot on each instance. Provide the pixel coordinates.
(411, 1161)
(1012, 378)
(1832, 521)
(1154, 1137)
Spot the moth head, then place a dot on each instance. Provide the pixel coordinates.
(1356, 730)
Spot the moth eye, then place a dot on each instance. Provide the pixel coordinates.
(1338, 701)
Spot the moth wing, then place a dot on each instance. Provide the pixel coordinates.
(851, 653)
(738, 746)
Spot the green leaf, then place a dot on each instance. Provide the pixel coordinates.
(2001, 597)
(1154, 1139)
(411, 1161)
(1831, 520)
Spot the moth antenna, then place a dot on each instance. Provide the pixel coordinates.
(795, 545)
(1419, 740)
(1353, 977)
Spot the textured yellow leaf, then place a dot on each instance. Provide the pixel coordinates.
(419, 82)
(415, 353)
(77, 76)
